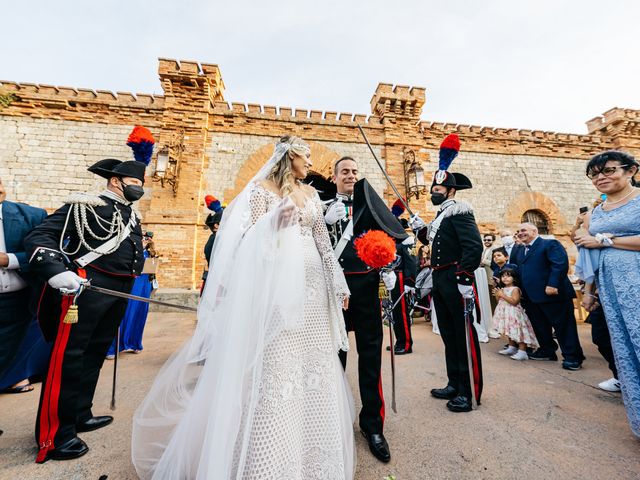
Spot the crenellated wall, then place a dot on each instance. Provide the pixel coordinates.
(49, 135)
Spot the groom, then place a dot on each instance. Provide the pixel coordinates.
(363, 316)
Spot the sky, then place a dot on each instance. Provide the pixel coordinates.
(545, 65)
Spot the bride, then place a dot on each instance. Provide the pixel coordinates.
(258, 391)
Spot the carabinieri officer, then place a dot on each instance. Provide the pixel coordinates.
(96, 238)
(456, 252)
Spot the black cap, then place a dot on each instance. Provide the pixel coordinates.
(214, 218)
(451, 180)
(110, 167)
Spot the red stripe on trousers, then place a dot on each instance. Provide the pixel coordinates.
(381, 396)
(474, 364)
(49, 420)
(405, 322)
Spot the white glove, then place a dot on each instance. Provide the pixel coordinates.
(466, 291)
(67, 280)
(409, 290)
(389, 278)
(409, 241)
(416, 223)
(335, 213)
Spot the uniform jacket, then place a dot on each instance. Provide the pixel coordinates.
(457, 243)
(408, 265)
(349, 260)
(127, 260)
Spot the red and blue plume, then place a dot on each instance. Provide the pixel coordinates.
(397, 208)
(141, 142)
(449, 149)
(212, 203)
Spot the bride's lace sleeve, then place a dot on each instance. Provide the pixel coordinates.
(332, 270)
(258, 202)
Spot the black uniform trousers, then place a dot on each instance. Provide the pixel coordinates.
(601, 338)
(449, 307)
(559, 316)
(77, 356)
(14, 323)
(401, 315)
(364, 318)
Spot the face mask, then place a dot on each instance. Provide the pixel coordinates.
(438, 198)
(132, 192)
(506, 241)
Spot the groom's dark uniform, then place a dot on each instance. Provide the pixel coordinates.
(363, 316)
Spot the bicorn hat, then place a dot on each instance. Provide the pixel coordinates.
(371, 213)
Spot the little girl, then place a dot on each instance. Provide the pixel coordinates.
(510, 318)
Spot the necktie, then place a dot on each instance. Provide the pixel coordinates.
(526, 249)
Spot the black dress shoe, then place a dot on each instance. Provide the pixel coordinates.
(378, 446)
(540, 355)
(402, 350)
(74, 448)
(94, 423)
(459, 404)
(446, 393)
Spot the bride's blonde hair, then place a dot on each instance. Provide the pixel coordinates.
(281, 173)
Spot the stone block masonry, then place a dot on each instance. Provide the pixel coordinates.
(50, 135)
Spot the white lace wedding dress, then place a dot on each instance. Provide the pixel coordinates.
(276, 406)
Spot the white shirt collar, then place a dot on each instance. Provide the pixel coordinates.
(533, 241)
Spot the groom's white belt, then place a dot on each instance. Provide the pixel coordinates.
(346, 236)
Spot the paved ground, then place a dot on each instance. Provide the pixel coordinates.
(536, 421)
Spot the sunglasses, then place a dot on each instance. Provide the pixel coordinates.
(606, 171)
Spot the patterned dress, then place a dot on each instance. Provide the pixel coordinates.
(295, 430)
(512, 321)
(618, 281)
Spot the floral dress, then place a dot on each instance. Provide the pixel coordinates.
(512, 321)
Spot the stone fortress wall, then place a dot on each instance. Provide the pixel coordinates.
(49, 135)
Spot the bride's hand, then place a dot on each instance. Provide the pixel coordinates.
(286, 213)
(345, 303)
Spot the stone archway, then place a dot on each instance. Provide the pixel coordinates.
(535, 201)
(322, 157)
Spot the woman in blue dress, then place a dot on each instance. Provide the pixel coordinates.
(135, 317)
(614, 228)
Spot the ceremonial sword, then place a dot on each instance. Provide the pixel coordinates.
(388, 313)
(115, 293)
(386, 175)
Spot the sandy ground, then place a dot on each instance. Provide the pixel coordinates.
(536, 420)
